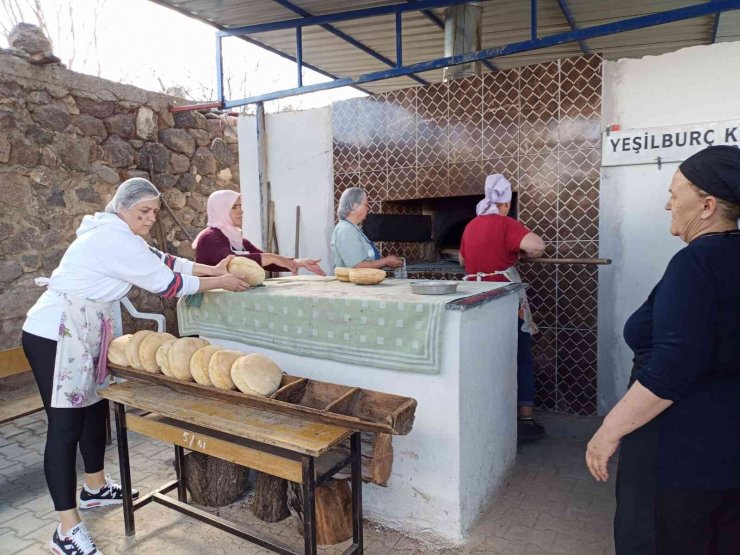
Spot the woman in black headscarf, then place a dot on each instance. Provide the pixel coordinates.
(678, 480)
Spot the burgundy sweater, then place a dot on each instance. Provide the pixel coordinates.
(213, 247)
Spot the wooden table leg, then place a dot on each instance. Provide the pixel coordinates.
(182, 492)
(357, 536)
(128, 501)
(309, 505)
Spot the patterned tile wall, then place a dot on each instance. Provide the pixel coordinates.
(541, 127)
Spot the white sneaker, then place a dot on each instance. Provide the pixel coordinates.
(109, 494)
(76, 542)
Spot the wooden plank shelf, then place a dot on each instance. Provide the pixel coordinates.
(350, 407)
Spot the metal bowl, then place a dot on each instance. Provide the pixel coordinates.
(433, 287)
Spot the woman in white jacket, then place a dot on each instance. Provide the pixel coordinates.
(66, 336)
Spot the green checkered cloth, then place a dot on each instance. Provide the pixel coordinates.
(384, 325)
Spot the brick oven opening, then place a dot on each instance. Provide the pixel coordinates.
(449, 218)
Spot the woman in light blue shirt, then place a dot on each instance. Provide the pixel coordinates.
(349, 245)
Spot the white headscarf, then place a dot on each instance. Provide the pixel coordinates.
(498, 190)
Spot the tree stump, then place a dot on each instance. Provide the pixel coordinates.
(333, 511)
(377, 458)
(214, 482)
(270, 498)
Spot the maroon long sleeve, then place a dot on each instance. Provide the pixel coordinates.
(213, 247)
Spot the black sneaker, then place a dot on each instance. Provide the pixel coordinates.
(109, 494)
(76, 542)
(529, 431)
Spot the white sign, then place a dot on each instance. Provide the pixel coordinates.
(665, 144)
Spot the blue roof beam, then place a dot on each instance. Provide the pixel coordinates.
(308, 20)
(340, 34)
(630, 24)
(573, 27)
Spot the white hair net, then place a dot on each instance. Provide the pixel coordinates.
(351, 198)
(131, 192)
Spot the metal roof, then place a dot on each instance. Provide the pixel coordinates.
(504, 22)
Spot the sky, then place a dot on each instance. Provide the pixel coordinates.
(143, 44)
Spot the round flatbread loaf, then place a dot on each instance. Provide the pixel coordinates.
(148, 350)
(180, 354)
(132, 348)
(342, 274)
(246, 269)
(117, 350)
(219, 369)
(162, 357)
(366, 276)
(199, 363)
(256, 374)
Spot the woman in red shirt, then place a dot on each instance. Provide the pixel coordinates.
(491, 246)
(224, 235)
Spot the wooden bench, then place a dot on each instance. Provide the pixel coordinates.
(19, 394)
(291, 448)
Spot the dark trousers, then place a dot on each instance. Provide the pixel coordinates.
(524, 369)
(67, 428)
(698, 522)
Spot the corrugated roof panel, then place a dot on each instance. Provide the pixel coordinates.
(504, 22)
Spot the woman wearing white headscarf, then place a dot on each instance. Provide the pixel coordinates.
(490, 248)
(66, 336)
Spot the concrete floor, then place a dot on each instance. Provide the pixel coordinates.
(549, 504)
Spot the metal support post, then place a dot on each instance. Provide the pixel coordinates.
(356, 450)
(399, 40)
(299, 53)
(219, 72)
(123, 460)
(309, 505)
(533, 15)
(182, 492)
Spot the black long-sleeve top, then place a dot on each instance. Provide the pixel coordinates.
(688, 332)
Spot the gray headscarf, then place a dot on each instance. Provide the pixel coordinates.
(131, 192)
(349, 201)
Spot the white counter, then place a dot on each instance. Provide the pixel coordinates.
(464, 436)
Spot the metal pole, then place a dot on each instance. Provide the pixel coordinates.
(399, 40)
(262, 172)
(182, 492)
(123, 461)
(356, 478)
(309, 505)
(219, 72)
(299, 53)
(533, 14)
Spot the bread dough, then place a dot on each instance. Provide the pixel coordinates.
(117, 350)
(342, 274)
(246, 269)
(148, 350)
(162, 357)
(256, 374)
(366, 276)
(199, 363)
(180, 354)
(219, 369)
(132, 348)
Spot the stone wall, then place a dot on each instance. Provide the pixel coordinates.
(66, 141)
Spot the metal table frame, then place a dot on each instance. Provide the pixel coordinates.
(309, 484)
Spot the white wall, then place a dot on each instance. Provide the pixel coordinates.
(693, 85)
(300, 171)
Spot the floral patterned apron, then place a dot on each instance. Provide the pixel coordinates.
(80, 368)
(525, 312)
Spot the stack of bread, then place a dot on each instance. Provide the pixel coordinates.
(194, 359)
